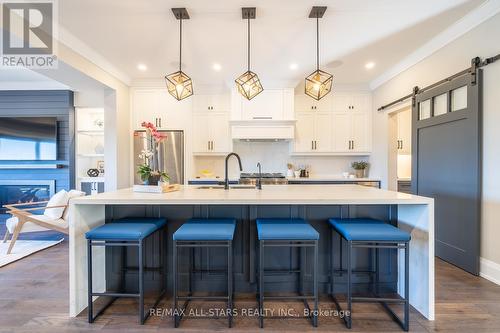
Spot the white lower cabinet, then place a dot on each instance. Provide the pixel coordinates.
(211, 133)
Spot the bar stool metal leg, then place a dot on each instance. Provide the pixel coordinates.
(261, 284)
(141, 283)
(315, 287)
(407, 287)
(174, 260)
(90, 308)
(349, 284)
(230, 283)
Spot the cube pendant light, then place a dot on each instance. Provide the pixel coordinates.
(248, 83)
(179, 84)
(319, 83)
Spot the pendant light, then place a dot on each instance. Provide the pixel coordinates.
(179, 84)
(248, 83)
(319, 83)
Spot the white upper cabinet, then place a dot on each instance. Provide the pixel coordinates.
(211, 133)
(338, 124)
(404, 132)
(313, 132)
(304, 132)
(323, 132)
(342, 132)
(158, 107)
(211, 103)
(306, 103)
(351, 102)
(271, 104)
(351, 133)
(361, 134)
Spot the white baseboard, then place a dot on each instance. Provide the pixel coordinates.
(489, 270)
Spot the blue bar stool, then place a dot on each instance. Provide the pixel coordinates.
(287, 233)
(198, 233)
(125, 233)
(373, 234)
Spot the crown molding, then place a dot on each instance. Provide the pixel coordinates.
(471, 20)
(74, 43)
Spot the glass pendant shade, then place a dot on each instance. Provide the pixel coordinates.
(179, 85)
(318, 84)
(249, 85)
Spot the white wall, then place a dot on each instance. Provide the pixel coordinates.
(482, 41)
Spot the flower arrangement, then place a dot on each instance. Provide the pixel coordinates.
(149, 170)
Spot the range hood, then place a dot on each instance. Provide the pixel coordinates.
(263, 130)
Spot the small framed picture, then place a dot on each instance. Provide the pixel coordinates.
(100, 167)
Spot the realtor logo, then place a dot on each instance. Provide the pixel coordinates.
(28, 30)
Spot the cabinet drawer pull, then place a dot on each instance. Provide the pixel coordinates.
(352, 144)
(315, 145)
(262, 117)
(213, 145)
(312, 145)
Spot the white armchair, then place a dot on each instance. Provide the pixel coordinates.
(55, 216)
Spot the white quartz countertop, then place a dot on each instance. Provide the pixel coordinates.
(269, 195)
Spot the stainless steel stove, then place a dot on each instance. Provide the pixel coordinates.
(268, 178)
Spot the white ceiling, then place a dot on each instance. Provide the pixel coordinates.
(353, 32)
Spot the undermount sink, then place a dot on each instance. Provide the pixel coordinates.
(221, 187)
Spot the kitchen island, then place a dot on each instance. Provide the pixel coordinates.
(315, 203)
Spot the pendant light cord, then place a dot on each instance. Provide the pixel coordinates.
(180, 44)
(317, 43)
(248, 19)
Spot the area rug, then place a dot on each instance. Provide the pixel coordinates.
(23, 248)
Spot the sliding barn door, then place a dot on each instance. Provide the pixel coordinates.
(446, 162)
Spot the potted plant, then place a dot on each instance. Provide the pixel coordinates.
(149, 169)
(360, 168)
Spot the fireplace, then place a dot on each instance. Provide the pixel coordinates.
(25, 191)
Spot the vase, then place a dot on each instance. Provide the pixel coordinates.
(360, 173)
(153, 180)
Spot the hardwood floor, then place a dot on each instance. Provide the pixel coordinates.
(34, 298)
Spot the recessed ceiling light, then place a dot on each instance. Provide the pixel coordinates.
(369, 65)
(293, 66)
(142, 67)
(216, 67)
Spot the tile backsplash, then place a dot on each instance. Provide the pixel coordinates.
(274, 157)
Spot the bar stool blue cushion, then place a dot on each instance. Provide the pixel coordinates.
(121, 231)
(206, 230)
(159, 222)
(369, 231)
(285, 229)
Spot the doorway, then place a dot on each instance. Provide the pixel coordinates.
(400, 149)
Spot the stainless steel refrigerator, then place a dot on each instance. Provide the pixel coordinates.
(170, 154)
